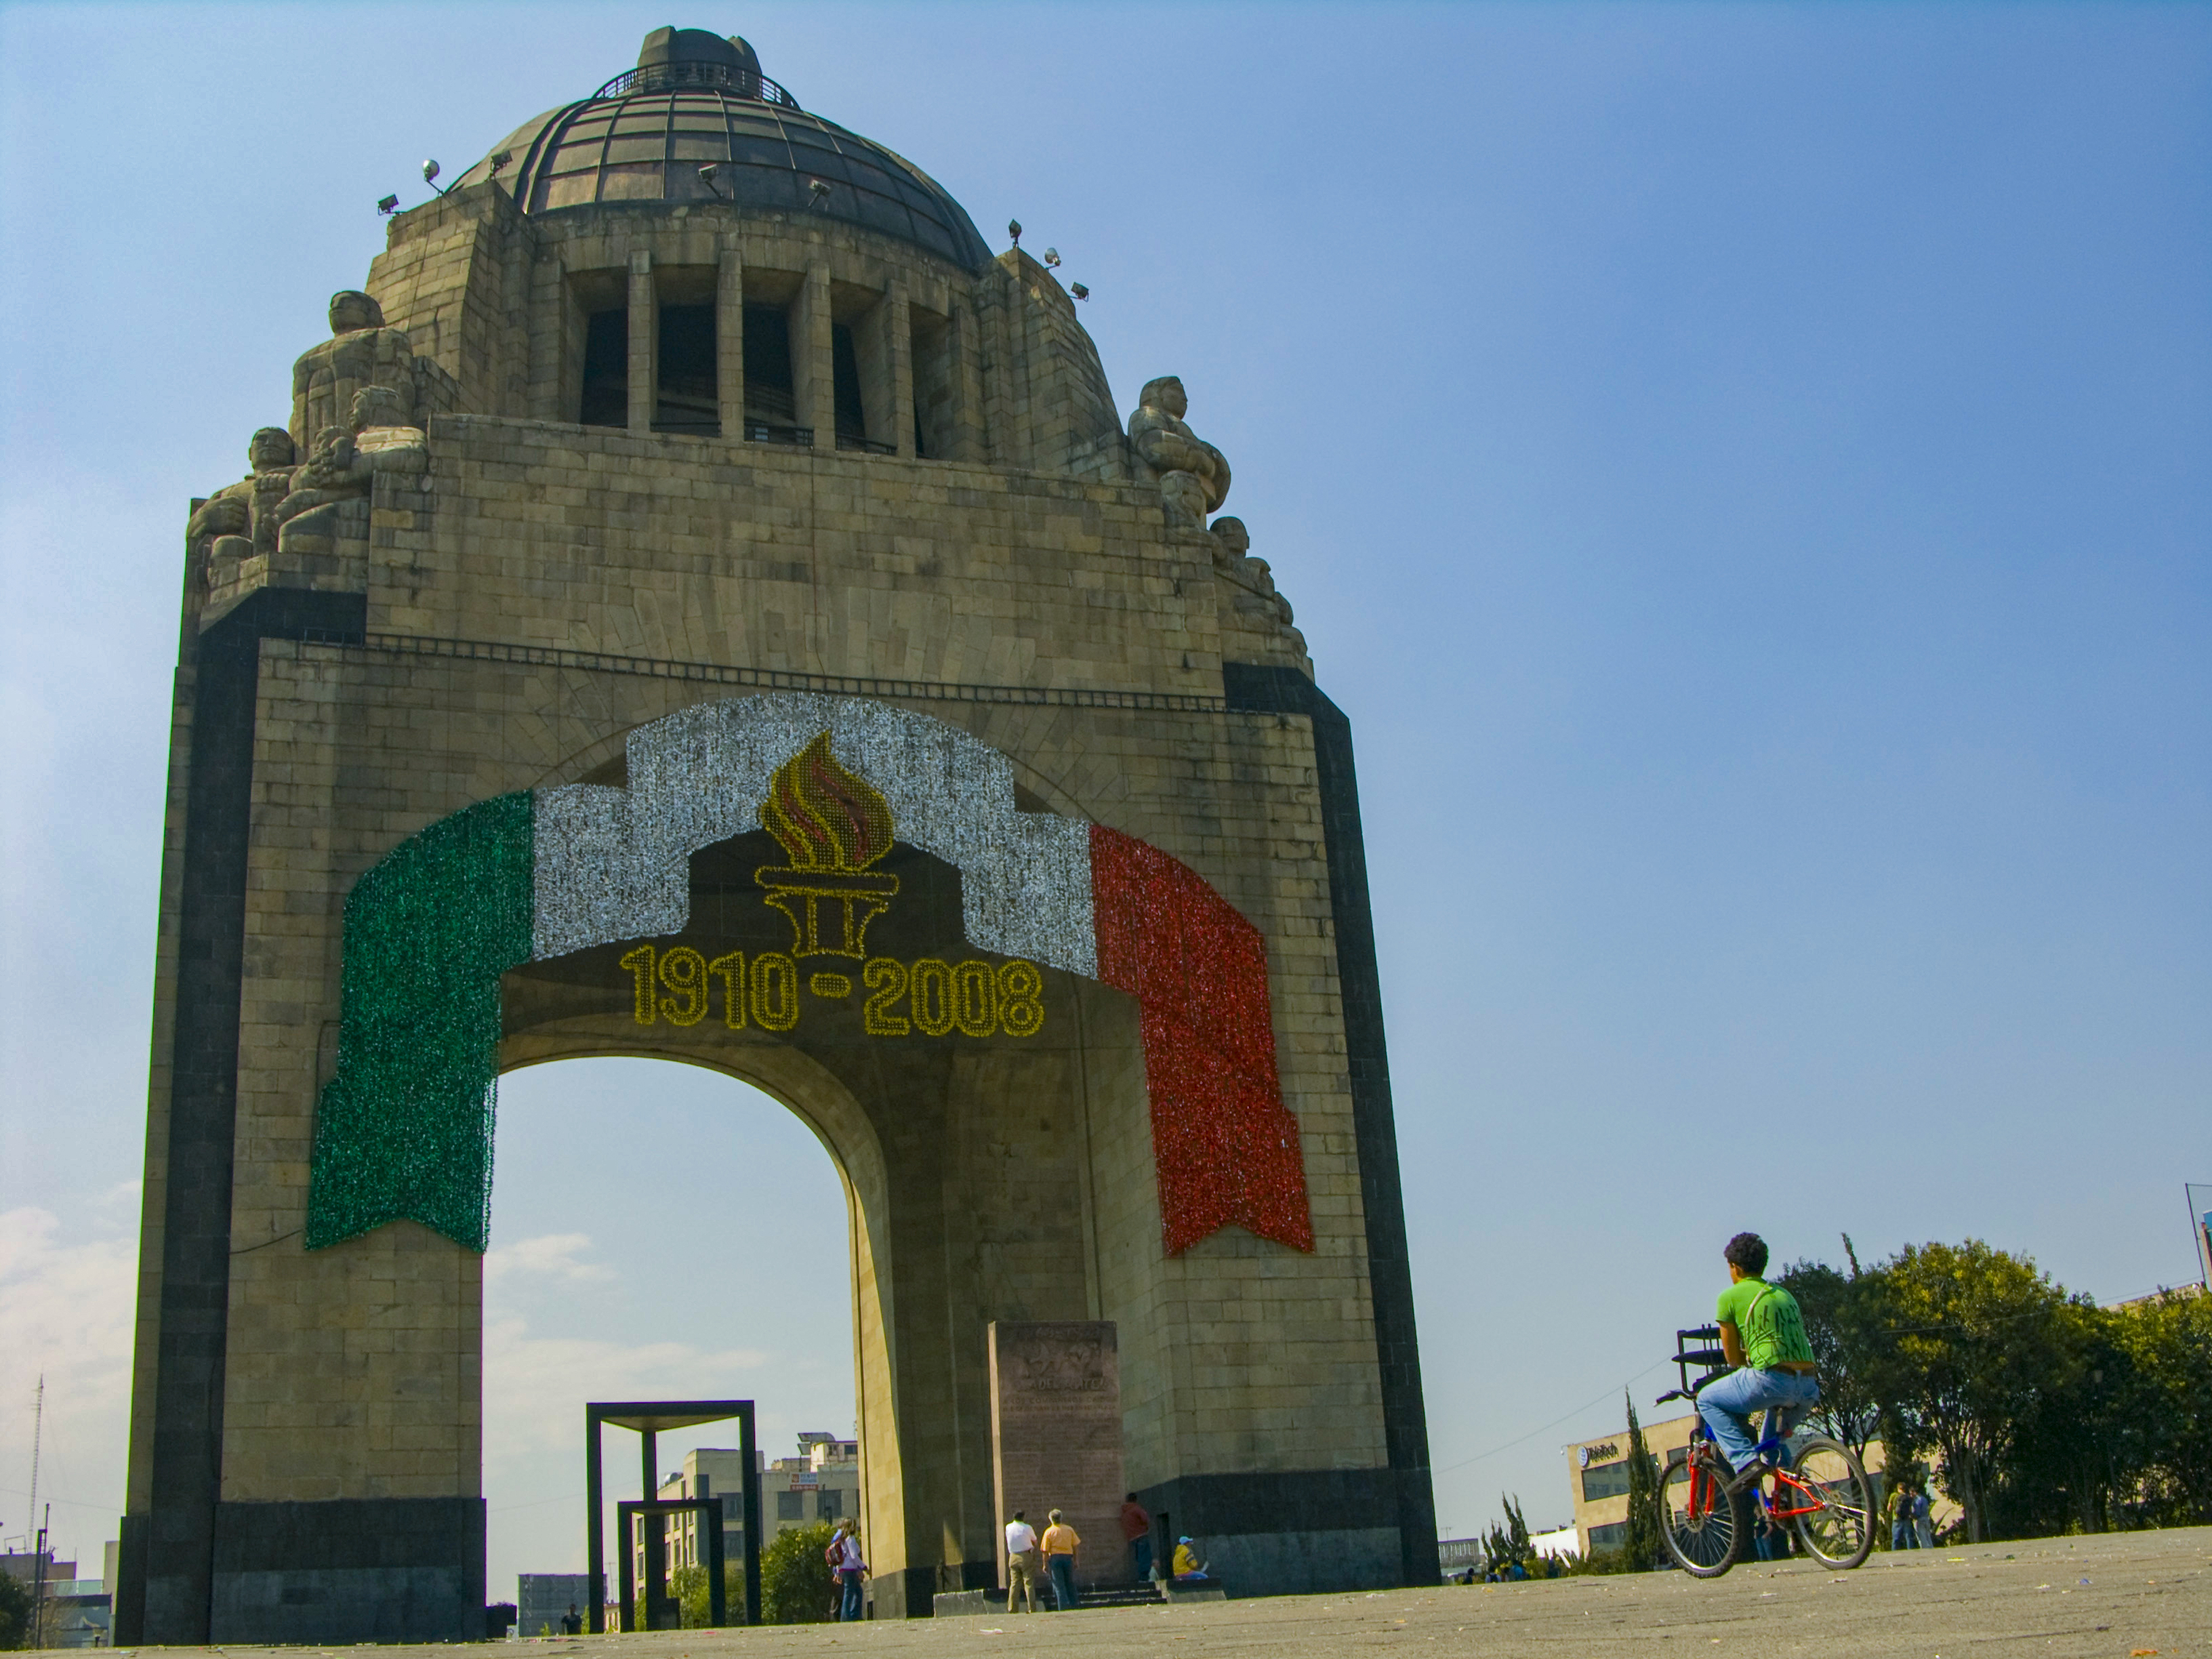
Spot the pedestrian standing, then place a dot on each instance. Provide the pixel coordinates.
(1923, 1524)
(1021, 1564)
(1061, 1544)
(1137, 1527)
(1898, 1506)
(845, 1557)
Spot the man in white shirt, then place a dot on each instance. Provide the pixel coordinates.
(1021, 1564)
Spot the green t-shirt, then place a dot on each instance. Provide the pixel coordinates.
(1768, 1318)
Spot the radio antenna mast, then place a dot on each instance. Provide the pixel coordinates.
(38, 1428)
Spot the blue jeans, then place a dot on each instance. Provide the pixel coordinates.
(1140, 1551)
(1727, 1403)
(851, 1609)
(1902, 1537)
(1061, 1569)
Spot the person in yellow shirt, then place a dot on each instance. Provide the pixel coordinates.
(1061, 1544)
(1188, 1566)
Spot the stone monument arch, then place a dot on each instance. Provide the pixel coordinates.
(695, 614)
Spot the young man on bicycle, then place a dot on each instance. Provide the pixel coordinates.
(1762, 1334)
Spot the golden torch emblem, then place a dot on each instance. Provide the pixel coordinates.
(832, 826)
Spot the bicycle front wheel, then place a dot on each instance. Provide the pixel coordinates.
(1827, 1493)
(1701, 1522)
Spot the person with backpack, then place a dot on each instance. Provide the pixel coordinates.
(845, 1561)
(1898, 1507)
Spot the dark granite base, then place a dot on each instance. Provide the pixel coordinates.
(354, 1569)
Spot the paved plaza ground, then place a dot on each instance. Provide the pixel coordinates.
(2131, 1594)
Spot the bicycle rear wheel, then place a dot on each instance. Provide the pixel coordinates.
(1835, 1501)
(1702, 1523)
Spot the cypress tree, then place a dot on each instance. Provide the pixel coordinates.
(1639, 1547)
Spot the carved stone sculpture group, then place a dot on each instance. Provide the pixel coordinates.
(360, 393)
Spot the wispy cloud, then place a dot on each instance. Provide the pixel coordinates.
(549, 1256)
(535, 1387)
(65, 1314)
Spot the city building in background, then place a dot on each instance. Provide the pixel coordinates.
(822, 1483)
(543, 1600)
(1597, 1474)
(69, 1612)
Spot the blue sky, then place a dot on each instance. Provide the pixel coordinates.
(1743, 470)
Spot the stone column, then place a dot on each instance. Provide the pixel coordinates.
(644, 341)
(813, 374)
(970, 442)
(885, 369)
(898, 338)
(730, 343)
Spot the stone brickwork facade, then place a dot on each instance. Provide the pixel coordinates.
(441, 584)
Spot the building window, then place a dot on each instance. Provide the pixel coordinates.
(791, 1506)
(688, 396)
(829, 1505)
(606, 370)
(769, 395)
(1609, 1537)
(1605, 1481)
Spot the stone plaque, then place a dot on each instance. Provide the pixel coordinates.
(1056, 1437)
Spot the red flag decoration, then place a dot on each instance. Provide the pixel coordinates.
(1225, 1146)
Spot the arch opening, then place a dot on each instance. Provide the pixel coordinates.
(667, 1226)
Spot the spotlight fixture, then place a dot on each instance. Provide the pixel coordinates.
(817, 191)
(430, 176)
(1014, 230)
(389, 205)
(1052, 257)
(707, 175)
(1080, 292)
(500, 161)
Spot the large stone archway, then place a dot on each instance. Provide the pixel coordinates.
(486, 676)
(988, 1015)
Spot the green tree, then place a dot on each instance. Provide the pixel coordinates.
(1639, 1545)
(691, 1585)
(2169, 1341)
(2089, 1438)
(1978, 1337)
(15, 1610)
(797, 1587)
(1508, 1544)
(1844, 1319)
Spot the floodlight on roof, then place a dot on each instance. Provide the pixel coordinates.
(388, 204)
(1052, 257)
(1014, 230)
